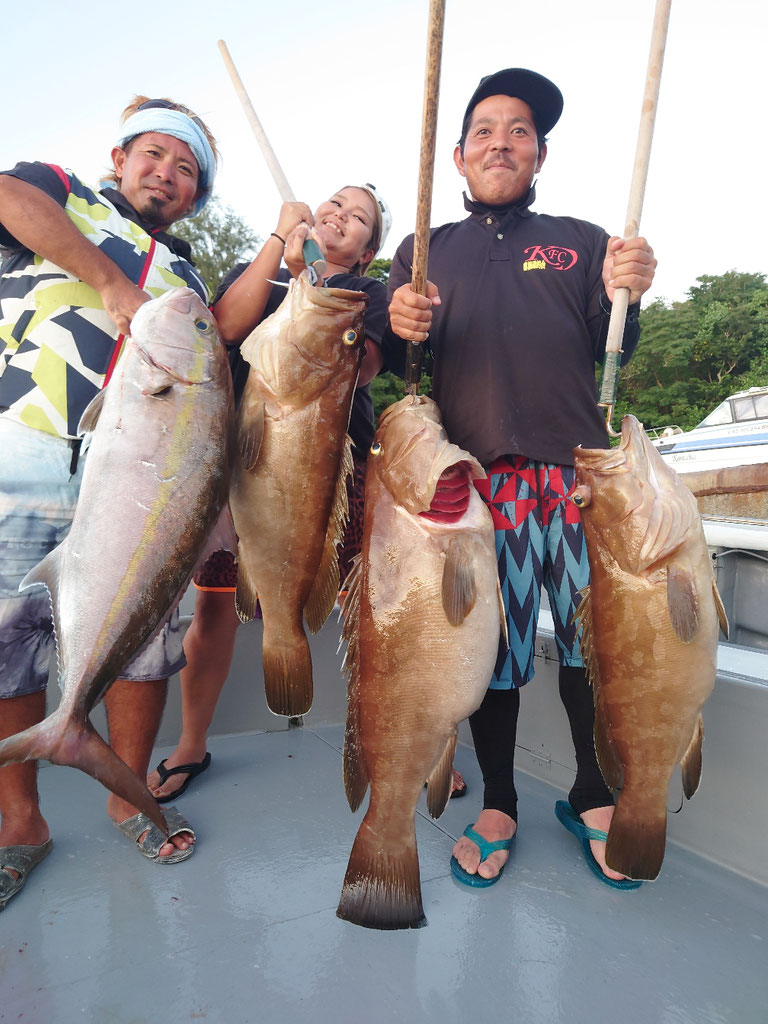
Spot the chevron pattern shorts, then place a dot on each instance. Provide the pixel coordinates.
(539, 539)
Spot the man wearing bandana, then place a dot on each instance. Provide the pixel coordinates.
(77, 265)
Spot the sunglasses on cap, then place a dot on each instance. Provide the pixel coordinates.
(168, 105)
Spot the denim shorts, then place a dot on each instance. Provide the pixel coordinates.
(38, 494)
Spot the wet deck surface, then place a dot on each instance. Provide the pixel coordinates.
(246, 929)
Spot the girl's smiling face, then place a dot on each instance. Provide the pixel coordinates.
(346, 223)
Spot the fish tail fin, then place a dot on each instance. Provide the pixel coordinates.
(287, 675)
(63, 740)
(382, 887)
(636, 842)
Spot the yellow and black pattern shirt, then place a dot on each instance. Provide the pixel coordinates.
(58, 346)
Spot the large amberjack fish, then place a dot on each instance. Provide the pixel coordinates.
(422, 621)
(155, 480)
(650, 621)
(289, 497)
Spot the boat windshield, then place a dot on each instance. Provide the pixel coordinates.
(738, 410)
(722, 414)
(751, 407)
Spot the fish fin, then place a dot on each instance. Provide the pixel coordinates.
(91, 414)
(690, 763)
(63, 739)
(246, 595)
(250, 434)
(582, 617)
(605, 749)
(635, 845)
(325, 589)
(356, 777)
(503, 627)
(459, 588)
(722, 617)
(382, 888)
(288, 675)
(682, 603)
(670, 521)
(440, 780)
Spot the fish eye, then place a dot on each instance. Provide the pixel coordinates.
(349, 337)
(581, 497)
(376, 448)
(202, 325)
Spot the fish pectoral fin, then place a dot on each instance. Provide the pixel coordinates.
(155, 380)
(690, 763)
(440, 781)
(91, 414)
(722, 618)
(459, 590)
(682, 603)
(250, 433)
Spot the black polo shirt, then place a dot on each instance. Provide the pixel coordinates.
(522, 323)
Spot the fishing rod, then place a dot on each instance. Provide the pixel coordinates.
(618, 318)
(415, 350)
(313, 256)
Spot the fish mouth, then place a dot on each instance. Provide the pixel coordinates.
(452, 494)
(628, 455)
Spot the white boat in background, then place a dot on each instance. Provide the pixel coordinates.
(733, 434)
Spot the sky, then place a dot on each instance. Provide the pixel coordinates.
(338, 88)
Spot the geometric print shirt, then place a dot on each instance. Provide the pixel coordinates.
(58, 346)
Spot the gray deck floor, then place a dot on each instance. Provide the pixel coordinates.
(246, 929)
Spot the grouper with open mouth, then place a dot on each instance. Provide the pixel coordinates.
(422, 621)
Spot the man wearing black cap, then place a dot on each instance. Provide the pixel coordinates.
(516, 319)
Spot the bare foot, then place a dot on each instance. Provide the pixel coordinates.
(600, 818)
(174, 784)
(119, 811)
(458, 785)
(491, 825)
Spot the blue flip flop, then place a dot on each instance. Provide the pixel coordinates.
(486, 849)
(570, 819)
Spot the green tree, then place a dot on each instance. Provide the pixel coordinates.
(693, 354)
(219, 239)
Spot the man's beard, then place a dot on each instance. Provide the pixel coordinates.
(154, 211)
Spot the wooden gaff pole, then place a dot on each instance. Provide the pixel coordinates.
(618, 318)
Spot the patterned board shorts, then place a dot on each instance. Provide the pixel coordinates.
(539, 538)
(38, 494)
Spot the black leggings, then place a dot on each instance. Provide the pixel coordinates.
(494, 731)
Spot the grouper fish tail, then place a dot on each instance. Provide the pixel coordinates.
(62, 739)
(382, 886)
(637, 839)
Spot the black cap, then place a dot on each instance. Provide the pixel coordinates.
(541, 95)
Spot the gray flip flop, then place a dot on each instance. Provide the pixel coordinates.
(154, 840)
(21, 859)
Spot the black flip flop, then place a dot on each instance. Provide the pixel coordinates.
(191, 770)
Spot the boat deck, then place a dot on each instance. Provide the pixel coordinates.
(246, 929)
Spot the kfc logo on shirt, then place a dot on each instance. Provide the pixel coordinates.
(539, 257)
